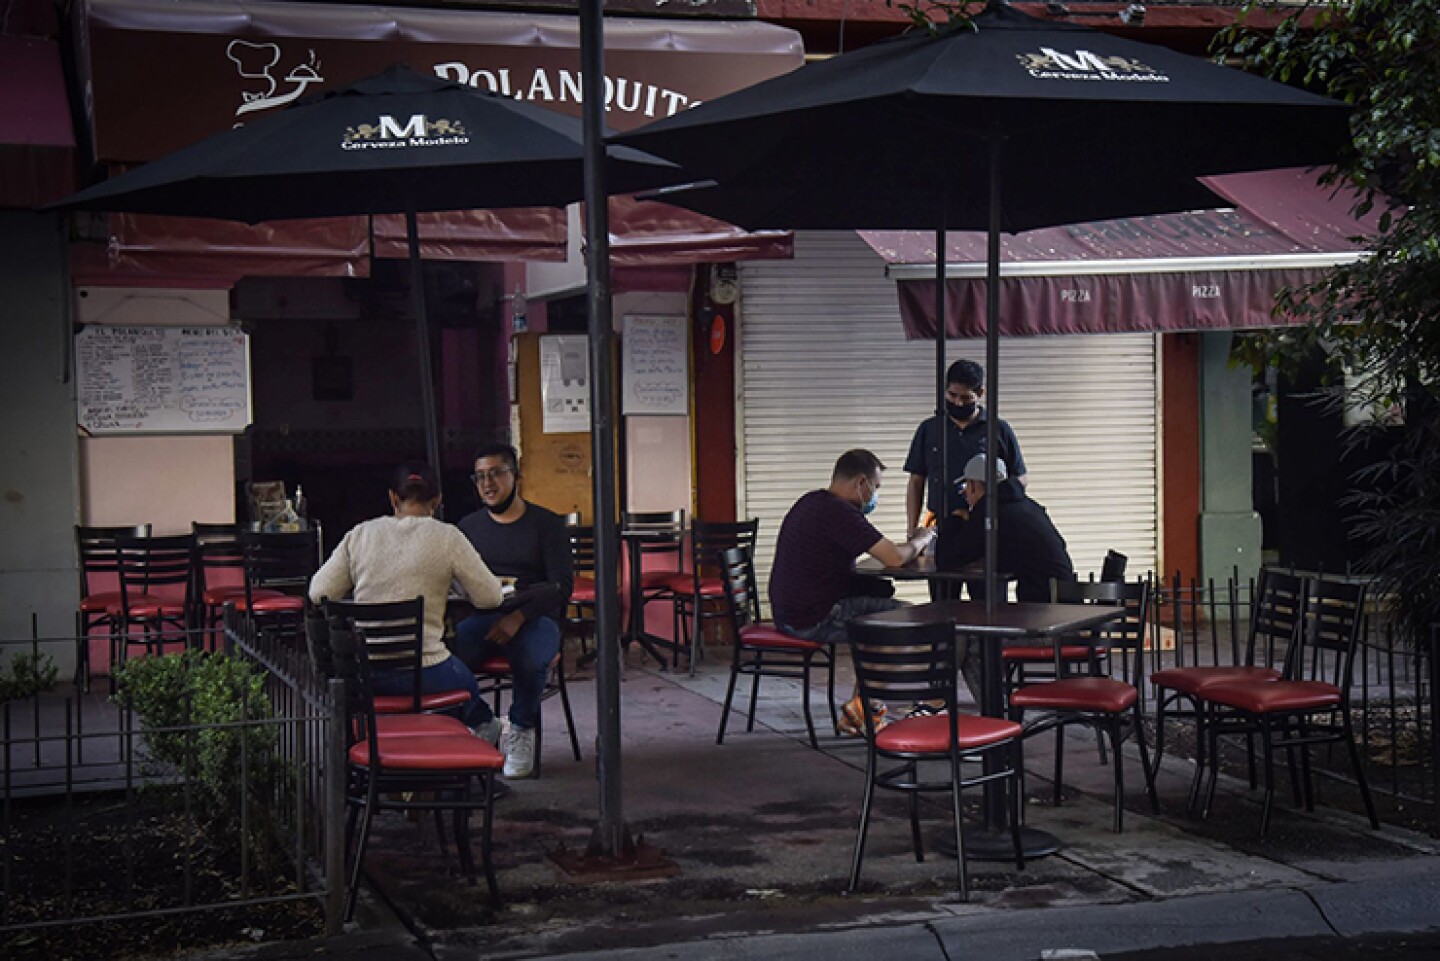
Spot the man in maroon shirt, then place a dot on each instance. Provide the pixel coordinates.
(814, 589)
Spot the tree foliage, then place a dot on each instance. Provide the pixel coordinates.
(1377, 320)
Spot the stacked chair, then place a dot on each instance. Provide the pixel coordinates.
(155, 593)
(1276, 613)
(1309, 704)
(99, 591)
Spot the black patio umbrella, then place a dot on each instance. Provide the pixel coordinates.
(1001, 123)
(397, 142)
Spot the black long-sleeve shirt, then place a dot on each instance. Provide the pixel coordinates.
(1030, 548)
(535, 550)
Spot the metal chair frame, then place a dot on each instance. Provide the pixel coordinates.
(145, 564)
(1064, 700)
(95, 551)
(918, 663)
(419, 772)
(1322, 657)
(753, 656)
(708, 540)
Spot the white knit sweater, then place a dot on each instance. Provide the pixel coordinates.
(395, 558)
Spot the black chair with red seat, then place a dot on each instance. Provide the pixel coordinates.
(219, 572)
(699, 594)
(763, 650)
(393, 630)
(99, 605)
(917, 663)
(420, 771)
(278, 568)
(580, 611)
(1277, 611)
(155, 600)
(1105, 704)
(496, 679)
(1023, 660)
(1308, 705)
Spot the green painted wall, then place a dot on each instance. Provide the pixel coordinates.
(1229, 527)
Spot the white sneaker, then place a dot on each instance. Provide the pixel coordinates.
(489, 731)
(520, 752)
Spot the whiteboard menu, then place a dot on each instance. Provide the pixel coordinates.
(162, 380)
(655, 369)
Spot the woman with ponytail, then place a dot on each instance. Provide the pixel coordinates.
(411, 553)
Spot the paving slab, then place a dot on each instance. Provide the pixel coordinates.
(762, 829)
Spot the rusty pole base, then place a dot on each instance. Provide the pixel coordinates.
(636, 861)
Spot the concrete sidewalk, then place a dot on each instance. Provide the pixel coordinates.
(762, 829)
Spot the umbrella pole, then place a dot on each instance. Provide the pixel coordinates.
(422, 338)
(609, 840)
(940, 417)
(992, 367)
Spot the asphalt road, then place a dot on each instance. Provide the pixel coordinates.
(1395, 947)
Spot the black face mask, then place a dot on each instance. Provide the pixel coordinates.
(961, 412)
(504, 505)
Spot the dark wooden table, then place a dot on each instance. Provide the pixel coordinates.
(920, 569)
(1012, 623)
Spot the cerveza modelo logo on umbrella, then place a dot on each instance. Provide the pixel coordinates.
(1051, 64)
(416, 130)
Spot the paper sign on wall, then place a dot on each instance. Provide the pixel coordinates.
(134, 380)
(655, 377)
(565, 383)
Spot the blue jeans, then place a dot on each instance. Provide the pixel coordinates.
(530, 652)
(832, 629)
(449, 675)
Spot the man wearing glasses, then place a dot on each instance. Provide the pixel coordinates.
(527, 546)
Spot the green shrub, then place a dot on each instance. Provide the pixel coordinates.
(26, 676)
(192, 706)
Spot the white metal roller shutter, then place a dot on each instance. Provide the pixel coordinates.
(825, 367)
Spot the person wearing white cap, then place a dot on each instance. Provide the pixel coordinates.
(1030, 548)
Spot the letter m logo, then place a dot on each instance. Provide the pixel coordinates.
(1083, 60)
(392, 130)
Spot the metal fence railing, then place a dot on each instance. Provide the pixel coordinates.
(105, 818)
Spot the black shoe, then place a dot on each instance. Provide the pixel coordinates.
(499, 790)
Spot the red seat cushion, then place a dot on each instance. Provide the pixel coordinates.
(153, 607)
(276, 604)
(439, 752)
(930, 734)
(218, 596)
(684, 583)
(405, 704)
(414, 725)
(1069, 652)
(1274, 697)
(1194, 680)
(101, 602)
(1076, 694)
(493, 665)
(583, 591)
(770, 636)
(657, 580)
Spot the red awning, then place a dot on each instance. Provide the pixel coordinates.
(163, 75)
(37, 142)
(1209, 269)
